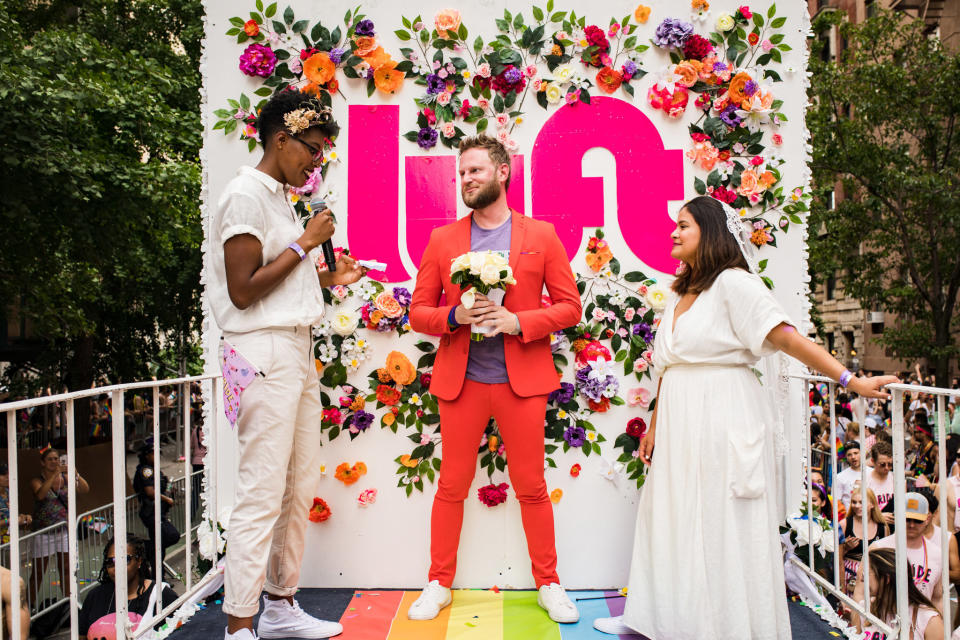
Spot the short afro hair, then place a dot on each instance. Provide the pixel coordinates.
(280, 104)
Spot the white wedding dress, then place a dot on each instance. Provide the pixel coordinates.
(707, 562)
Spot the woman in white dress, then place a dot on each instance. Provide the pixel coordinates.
(706, 557)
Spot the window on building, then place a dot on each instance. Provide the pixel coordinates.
(831, 286)
(871, 8)
(831, 343)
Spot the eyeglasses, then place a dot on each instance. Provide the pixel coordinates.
(112, 561)
(316, 153)
(885, 465)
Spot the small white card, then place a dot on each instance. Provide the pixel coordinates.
(373, 265)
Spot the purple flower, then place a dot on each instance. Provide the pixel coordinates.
(369, 73)
(364, 28)
(593, 388)
(630, 67)
(402, 295)
(719, 67)
(562, 395)
(258, 60)
(750, 88)
(672, 33)
(361, 420)
(575, 436)
(643, 329)
(427, 138)
(435, 84)
(336, 54)
(730, 117)
(512, 76)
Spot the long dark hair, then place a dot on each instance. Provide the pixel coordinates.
(138, 549)
(717, 251)
(883, 562)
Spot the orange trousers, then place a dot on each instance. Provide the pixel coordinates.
(521, 424)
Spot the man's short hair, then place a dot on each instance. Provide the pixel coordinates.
(497, 152)
(881, 448)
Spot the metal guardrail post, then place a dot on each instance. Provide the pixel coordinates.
(14, 492)
(119, 514)
(900, 515)
(72, 518)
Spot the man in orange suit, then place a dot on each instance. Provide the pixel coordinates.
(508, 375)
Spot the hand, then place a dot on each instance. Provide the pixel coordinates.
(646, 446)
(63, 468)
(852, 542)
(26, 520)
(872, 387)
(887, 518)
(501, 320)
(319, 229)
(348, 271)
(476, 313)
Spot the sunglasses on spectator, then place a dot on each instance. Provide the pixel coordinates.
(111, 561)
(885, 465)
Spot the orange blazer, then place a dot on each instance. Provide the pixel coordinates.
(537, 258)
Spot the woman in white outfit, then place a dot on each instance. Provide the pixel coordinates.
(706, 558)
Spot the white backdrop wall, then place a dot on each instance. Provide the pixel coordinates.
(387, 544)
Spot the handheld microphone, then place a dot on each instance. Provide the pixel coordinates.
(315, 207)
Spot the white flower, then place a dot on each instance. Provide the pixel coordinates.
(657, 297)
(554, 93)
(345, 321)
(468, 298)
(599, 314)
(206, 543)
(725, 22)
(477, 260)
(460, 263)
(591, 436)
(490, 274)
(826, 542)
(563, 74)
(561, 414)
(415, 399)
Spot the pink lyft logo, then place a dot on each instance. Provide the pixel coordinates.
(648, 176)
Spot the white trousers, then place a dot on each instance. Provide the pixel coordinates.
(278, 428)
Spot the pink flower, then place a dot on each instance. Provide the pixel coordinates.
(704, 154)
(629, 314)
(493, 494)
(745, 12)
(530, 70)
(483, 103)
(639, 366)
(777, 139)
(648, 355)
(611, 316)
(756, 161)
(642, 290)
(766, 45)
(332, 415)
(443, 99)
(367, 497)
(442, 73)
(638, 396)
(345, 401)
(258, 60)
(537, 83)
(502, 120)
(424, 438)
(573, 97)
(483, 70)
(614, 28)
(599, 315)
(339, 291)
(448, 130)
(503, 137)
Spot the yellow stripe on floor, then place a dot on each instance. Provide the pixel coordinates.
(476, 615)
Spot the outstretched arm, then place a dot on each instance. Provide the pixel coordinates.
(785, 338)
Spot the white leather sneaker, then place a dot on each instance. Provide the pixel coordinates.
(613, 626)
(242, 634)
(428, 605)
(554, 599)
(280, 619)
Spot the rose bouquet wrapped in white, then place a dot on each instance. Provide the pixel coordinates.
(485, 272)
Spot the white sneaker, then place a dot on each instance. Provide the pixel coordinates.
(428, 605)
(554, 599)
(613, 626)
(242, 634)
(280, 619)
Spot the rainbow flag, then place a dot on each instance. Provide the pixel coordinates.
(475, 615)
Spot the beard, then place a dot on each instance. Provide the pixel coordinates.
(485, 195)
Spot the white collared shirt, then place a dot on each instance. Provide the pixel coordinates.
(254, 203)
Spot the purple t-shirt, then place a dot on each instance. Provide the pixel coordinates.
(486, 362)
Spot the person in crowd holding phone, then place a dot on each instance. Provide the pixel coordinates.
(266, 293)
(25, 519)
(50, 510)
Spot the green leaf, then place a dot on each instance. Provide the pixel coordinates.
(538, 14)
(263, 91)
(772, 11)
(271, 10)
(402, 34)
(698, 184)
(481, 125)
(237, 22)
(300, 26)
(778, 22)
(758, 19)
(462, 32)
(288, 16)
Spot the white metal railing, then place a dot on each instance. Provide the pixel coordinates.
(120, 500)
(900, 627)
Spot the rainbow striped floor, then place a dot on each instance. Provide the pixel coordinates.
(474, 615)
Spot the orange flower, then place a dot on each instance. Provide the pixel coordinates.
(333, 85)
(609, 79)
(311, 88)
(346, 474)
(377, 58)
(579, 345)
(251, 28)
(383, 375)
(365, 44)
(388, 419)
(319, 68)
(767, 179)
(749, 183)
(409, 462)
(689, 72)
(388, 395)
(446, 20)
(358, 403)
(387, 79)
(375, 317)
(492, 443)
(360, 468)
(737, 85)
(699, 4)
(598, 260)
(318, 364)
(401, 369)
(641, 14)
(385, 302)
(320, 511)
(556, 495)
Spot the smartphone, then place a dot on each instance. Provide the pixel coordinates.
(63, 461)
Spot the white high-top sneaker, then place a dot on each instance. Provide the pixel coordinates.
(554, 599)
(280, 619)
(613, 626)
(242, 634)
(428, 605)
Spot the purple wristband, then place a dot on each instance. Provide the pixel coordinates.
(845, 378)
(300, 252)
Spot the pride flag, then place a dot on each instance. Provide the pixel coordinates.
(475, 615)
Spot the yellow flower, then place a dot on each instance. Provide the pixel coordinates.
(725, 22)
(592, 436)
(561, 414)
(554, 93)
(294, 198)
(465, 74)
(556, 495)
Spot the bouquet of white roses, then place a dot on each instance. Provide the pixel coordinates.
(486, 272)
